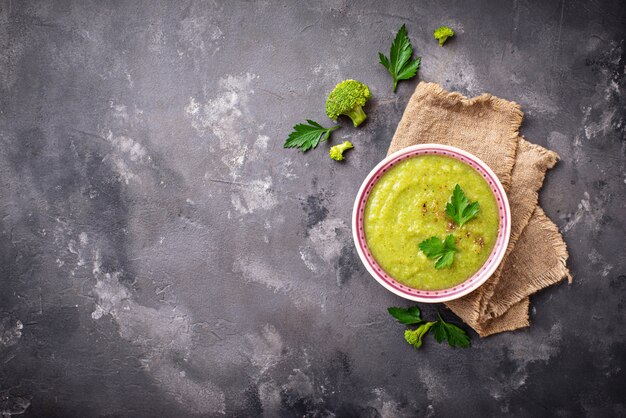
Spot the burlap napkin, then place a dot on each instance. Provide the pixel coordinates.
(488, 127)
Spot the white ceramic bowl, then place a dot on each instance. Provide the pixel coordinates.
(473, 282)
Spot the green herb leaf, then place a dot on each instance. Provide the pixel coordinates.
(414, 336)
(459, 208)
(406, 316)
(399, 63)
(455, 336)
(305, 137)
(440, 251)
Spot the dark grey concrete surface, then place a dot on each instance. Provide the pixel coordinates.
(163, 255)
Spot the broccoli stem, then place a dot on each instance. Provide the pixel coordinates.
(357, 115)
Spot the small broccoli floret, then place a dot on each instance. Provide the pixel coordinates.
(414, 336)
(442, 34)
(348, 98)
(336, 152)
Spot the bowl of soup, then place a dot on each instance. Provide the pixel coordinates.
(404, 201)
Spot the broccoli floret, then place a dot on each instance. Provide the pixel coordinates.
(442, 34)
(348, 98)
(336, 152)
(414, 336)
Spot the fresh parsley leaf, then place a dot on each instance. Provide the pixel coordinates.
(406, 316)
(414, 336)
(307, 136)
(440, 251)
(399, 63)
(455, 336)
(459, 208)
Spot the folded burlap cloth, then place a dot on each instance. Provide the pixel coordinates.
(488, 127)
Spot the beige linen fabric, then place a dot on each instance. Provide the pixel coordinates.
(488, 127)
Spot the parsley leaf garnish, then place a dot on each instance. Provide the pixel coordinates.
(459, 208)
(406, 316)
(414, 336)
(399, 63)
(305, 137)
(455, 336)
(440, 251)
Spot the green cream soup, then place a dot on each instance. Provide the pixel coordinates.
(407, 206)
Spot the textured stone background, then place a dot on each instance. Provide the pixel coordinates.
(162, 255)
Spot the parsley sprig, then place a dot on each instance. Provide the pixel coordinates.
(407, 316)
(443, 331)
(440, 251)
(399, 63)
(459, 207)
(308, 136)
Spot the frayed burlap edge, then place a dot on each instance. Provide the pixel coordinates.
(551, 276)
(548, 161)
(515, 318)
